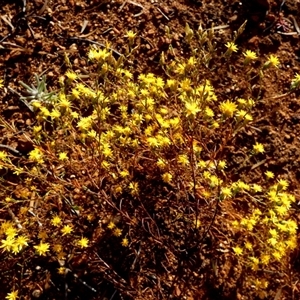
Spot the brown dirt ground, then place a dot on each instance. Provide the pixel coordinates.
(35, 41)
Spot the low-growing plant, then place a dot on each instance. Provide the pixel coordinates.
(130, 171)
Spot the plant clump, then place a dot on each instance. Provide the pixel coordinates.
(131, 170)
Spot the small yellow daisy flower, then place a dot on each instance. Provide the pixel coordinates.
(238, 250)
(272, 61)
(42, 248)
(269, 174)
(125, 242)
(282, 184)
(71, 75)
(258, 148)
(83, 242)
(12, 296)
(227, 108)
(56, 220)
(63, 156)
(249, 56)
(231, 47)
(67, 229)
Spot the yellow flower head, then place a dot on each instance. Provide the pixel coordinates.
(192, 109)
(249, 56)
(295, 82)
(117, 232)
(67, 229)
(282, 184)
(227, 108)
(272, 61)
(269, 174)
(71, 75)
(63, 156)
(167, 177)
(36, 155)
(42, 248)
(12, 296)
(238, 250)
(56, 220)
(21, 241)
(130, 35)
(258, 148)
(231, 47)
(3, 156)
(125, 242)
(226, 192)
(83, 242)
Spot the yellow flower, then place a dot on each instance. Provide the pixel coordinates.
(265, 258)
(153, 142)
(11, 232)
(134, 188)
(65, 103)
(83, 242)
(21, 241)
(62, 156)
(235, 224)
(282, 184)
(71, 75)
(222, 164)
(12, 296)
(192, 109)
(45, 112)
(273, 233)
(254, 263)
(125, 242)
(243, 115)
(281, 210)
(249, 56)
(117, 232)
(227, 108)
(258, 148)
(291, 226)
(272, 241)
(295, 82)
(256, 188)
(36, 155)
(130, 35)
(1, 83)
(124, 173)
(8, 244)
(56, 220)
(226, 192)
(238, 250)
(3, 156)
(248, 246)
(231, 47)
(269, 174)
(55, 113)
(67, 229)
(111, 225)
(85, 123)
(161, 163)
(272, 61)
(183, 160)
(98, 54)
(61, 270)
(167, 177)
(42, 248)
(277, 255)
